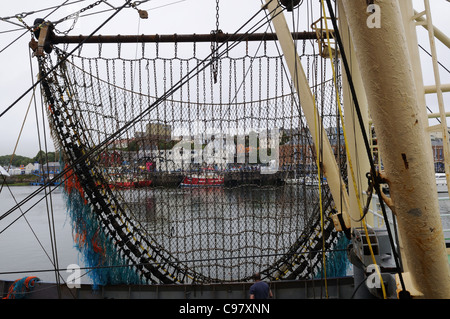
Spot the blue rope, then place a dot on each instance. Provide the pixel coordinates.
(337, 262)
(97, 250)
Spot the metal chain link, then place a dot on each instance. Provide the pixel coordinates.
(75, 15)
(78, 12)
(214, 45)
(20, 18)
(217, 15)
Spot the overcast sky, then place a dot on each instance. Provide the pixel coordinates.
(165, 17)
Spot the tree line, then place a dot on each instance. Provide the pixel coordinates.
(18, 160)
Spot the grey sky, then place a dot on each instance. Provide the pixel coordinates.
(165, 17)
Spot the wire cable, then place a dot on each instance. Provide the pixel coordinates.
(64, 58)
(366, 141)
(120, 131)
(432, 56)
(349, 158)
(22, 15)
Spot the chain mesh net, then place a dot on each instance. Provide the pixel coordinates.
(190, 169)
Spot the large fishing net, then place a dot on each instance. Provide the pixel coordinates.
(182, 166)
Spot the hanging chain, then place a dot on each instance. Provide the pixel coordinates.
(215, 46)
(20, 18)
(217, 15)
(75, 17)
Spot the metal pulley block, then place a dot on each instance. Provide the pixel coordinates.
(289, 4)
(143, 14)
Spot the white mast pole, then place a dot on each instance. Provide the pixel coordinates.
(356, 147)
(387, 74)
(330, 167)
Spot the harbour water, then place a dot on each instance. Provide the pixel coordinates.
(226, 233)
(25, 243)
(233, 224)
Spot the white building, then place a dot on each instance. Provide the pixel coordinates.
(31, 168)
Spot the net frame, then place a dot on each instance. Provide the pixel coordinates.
(73, 118)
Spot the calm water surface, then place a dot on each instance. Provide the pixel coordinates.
(20, 243)
(21, 253)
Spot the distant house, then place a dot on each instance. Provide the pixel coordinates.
(121, 143)
(15, 171)
(30, 168)
(51, 167)
(158, 131)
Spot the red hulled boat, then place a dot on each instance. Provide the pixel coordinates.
(199, 180)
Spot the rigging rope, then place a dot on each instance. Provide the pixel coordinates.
(22, 15)
(63, 59)
(366, 141)
(357, 193)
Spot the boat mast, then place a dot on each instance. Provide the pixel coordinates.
(329, 165)
(354, 131)
(387, 74)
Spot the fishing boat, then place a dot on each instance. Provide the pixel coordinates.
(202, 180)
(305, 243)
(130, 184)
(307, 180)
(120, 183)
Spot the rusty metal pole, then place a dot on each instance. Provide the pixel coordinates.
(388, 79)
(169, 38)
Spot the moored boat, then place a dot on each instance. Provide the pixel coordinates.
(131, 184)
(307, 180)
(199, 180)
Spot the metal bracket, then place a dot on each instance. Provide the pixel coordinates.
(361, 243)
(44, 34)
